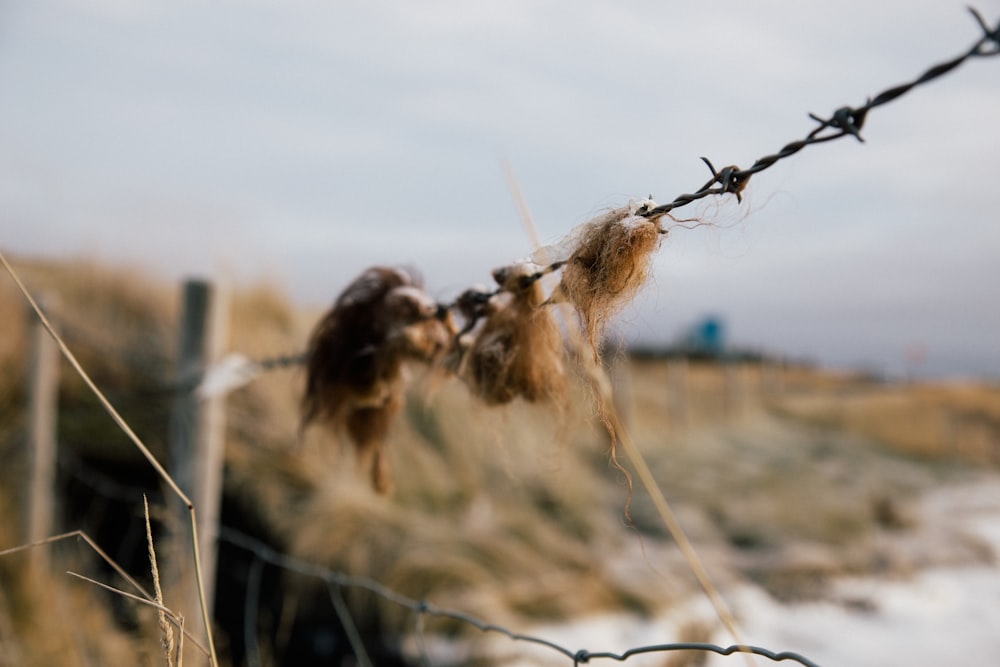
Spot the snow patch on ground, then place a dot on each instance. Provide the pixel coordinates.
(936, 616)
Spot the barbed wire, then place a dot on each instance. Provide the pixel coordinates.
(107, 487)
(472, 304)
(423, 608)
(728, 180)
(236, 370)
(845, 121)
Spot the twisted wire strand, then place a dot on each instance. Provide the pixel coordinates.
(845, 121)
(424, 608)
(421, 608)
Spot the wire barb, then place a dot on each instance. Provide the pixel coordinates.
(845, 119)
(731, 180)
(991, 37)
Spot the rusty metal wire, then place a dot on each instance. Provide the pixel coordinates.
(845, 121)
(423, 608)
(108, 488)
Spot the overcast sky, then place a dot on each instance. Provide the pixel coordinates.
(302, 142)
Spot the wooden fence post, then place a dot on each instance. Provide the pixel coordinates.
(197, 444)
(43, 388)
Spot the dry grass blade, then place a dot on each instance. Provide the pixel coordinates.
(522, 205)
(127, 430)
(180, 643)
(602, 386)
(125, 594)
(169, 645)
(631, 267)
(176, 619)
(105, 403)
(145, 598)
(93, 545)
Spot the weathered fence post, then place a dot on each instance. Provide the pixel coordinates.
(43, 388)
(197, 441)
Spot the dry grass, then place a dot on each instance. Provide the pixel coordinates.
(508, 513)
(55, 619)
(948, 422)
(170, 648)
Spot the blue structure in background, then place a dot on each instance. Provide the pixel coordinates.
(706, 337)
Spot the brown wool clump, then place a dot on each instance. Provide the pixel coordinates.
(518, 352)
(356, 354)
(608, 265)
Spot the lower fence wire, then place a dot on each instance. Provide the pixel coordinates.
(422, 609)
(335, 580)
(252, 645)
(350, 629)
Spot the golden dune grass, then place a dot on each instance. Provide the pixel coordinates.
(945, 421)
(515, 513)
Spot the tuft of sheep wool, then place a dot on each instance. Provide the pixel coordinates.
(608, 264)
(356, 354)
(518, 352)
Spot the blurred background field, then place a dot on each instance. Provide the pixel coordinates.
(788, 478)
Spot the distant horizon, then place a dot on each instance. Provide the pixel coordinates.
(299, 144)
(615, 338)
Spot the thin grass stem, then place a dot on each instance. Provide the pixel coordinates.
(127, 430)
